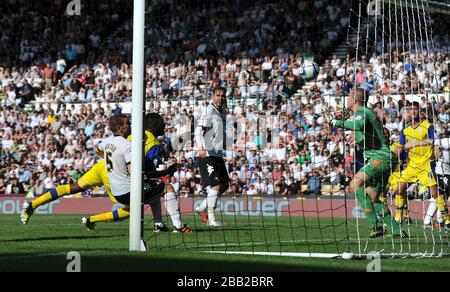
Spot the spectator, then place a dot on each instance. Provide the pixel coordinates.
(282, 187)
(314, 183)
(251, 191)
(14, 187)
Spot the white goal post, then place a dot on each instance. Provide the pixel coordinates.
(137, 126)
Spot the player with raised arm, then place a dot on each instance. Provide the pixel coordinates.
(371, 180)
(211, 143)
(418, 140)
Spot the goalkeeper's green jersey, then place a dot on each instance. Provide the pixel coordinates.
(369, 134)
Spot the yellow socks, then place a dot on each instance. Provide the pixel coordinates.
(116, 215)
(51, 196)
(399, 207)
(442, 208)
(405, 210)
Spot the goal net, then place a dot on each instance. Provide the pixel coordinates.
(284, 65)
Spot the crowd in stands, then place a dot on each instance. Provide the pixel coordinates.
(279, 143)
(35, 32)
(176, 30)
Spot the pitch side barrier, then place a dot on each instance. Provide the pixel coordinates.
(230, 206)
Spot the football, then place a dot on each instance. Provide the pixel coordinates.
(309, 71)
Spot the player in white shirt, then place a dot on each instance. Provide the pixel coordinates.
(116, 151)
(117, 154)
(211, 143)
(442, 152)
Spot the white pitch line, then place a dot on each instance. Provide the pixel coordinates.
(330, 255)
(282, 254)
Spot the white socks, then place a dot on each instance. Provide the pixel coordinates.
(440, 217)
(173, 209)
(209, 204)
(213, 197)
(202, 207)
(432, 208)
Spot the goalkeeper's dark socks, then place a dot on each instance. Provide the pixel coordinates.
(50, 196)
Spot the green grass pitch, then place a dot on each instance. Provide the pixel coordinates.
(44, 243)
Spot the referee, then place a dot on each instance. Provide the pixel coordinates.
(210, 134)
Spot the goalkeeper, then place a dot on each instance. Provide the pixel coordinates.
(371, 180)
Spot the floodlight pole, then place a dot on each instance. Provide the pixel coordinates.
(137, 114)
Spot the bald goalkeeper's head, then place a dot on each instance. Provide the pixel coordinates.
(357, 98)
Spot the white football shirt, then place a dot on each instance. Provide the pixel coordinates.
(117, 155)
(443, 163)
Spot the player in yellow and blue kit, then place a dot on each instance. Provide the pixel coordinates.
(394, 180)
(97, 176)
(418, 139)
(152, 151)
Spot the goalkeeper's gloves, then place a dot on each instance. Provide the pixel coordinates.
(329, 119)
(340, 108)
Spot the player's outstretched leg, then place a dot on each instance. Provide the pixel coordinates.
(26, 213)
(114, 216)
(86, 221)
(52, 195)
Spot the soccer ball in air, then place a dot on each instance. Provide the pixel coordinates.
(309, 71)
